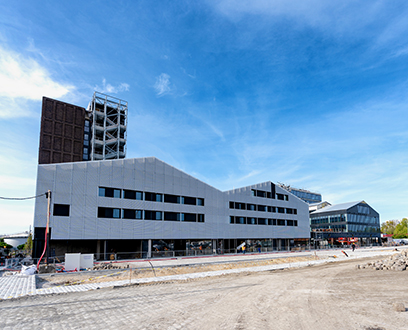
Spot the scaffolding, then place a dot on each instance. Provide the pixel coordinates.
(108, 116)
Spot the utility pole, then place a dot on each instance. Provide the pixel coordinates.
(48, 225)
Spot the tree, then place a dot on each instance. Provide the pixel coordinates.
(4, 245)
(388, 227)
(29, 244)
(401, 229)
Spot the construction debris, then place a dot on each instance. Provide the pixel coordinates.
(398, 262)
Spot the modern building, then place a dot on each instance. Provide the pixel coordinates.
(144, 205)
(338, 223)
(306, 195)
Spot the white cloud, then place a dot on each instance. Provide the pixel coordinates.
(162, 85)
(108, 88)
(21, 80)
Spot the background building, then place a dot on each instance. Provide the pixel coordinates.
(62, 132)
(342, 222)
(109, 123)
(306, 195)
(69, 133)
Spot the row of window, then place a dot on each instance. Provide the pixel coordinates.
(268, 194)
(115, 213)
(149, 196)
(262, 221)
(262, 208)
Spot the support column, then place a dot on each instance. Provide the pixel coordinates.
(98, 249)
(104, 250)
(149, 248)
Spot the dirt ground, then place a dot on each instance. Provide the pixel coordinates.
(134, 272)
(328, 296)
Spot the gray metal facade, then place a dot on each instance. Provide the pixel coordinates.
(77, 185)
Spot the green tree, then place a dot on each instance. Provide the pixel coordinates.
(388, 227)
(29, 244)
(401, 229)
(4, 245)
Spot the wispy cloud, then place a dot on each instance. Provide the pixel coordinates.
(23, 79)
(110, 89)
(163, 85)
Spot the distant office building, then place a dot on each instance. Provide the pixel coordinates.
(335, 223)
(305, 195)
(109, 124)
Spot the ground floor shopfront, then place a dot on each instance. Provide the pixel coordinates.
(136, 249)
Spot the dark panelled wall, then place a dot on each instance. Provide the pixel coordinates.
(62, 132)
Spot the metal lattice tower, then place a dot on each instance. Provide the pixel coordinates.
(109, 124)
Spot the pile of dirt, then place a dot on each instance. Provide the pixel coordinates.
(397, 262)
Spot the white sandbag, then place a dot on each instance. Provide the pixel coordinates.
(28, 270)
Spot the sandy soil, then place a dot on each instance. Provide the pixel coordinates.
(134, 272)
(328, 296)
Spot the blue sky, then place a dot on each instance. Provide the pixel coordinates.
(308, 93)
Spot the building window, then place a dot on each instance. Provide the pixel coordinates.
(108, 212)
(131, 214)
(289, 211)
(281, 210)
(109, 192)
(260, 193)
(294, 211)
(171, 216)
(61, 210)
(262, 208)
(289, 223)
(280, 197)
(231, 205)
(240, 206)
(232, 220)
(189, 200)
(251, 207)
(132, 194)
(153, 215)
(251, 221)
(189, 217)
(171, 199)
(200, 202)
(281, 222)
(240, 220)
(153, 197)
(262, 221)
(200, 217)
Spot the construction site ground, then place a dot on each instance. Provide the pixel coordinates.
(327, 295)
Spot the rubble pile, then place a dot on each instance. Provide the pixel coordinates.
(398, 262)
(109, 265)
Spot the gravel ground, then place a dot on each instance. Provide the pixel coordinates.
(327, 296)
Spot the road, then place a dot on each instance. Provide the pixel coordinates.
(329, 296)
